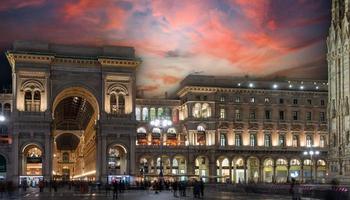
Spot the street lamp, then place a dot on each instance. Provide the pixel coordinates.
(311, 153)
(161, 124)
(2, 118)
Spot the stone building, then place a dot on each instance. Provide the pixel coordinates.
(339, 81)
(74, 114)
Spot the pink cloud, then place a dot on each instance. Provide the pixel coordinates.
(17, 4)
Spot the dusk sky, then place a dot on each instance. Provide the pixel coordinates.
(175, 38)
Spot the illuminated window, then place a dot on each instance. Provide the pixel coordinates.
(238, 100)
(322, 116)
(117, 103)
(267, 140)
(138, 113)
(295, 141)
(238, 139)
(238, 114)
(309, 141)
(281, 140)
(308, 116)
(144, 114)
(267, 100)
(253, 140)
(206, 110)
(32, 100)
(222, 113)
(322, 141)
(196, 111)
(222, 140)
(153, 114)
(252, 99)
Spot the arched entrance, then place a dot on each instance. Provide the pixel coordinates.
(179, 167)
(281, 170)
(268, 170)
(3, 168)
(253, 170)
(202, 167)
(75, 116)
(117, 161)
(238, 170)
(295, 169)
(222, 169)
(32, 165)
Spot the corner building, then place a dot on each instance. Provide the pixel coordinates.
(74, 114)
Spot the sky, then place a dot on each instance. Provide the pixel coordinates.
(258, 38)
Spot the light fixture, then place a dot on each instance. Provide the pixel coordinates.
(290, 86)
(311, 152)
(251, 85)
(305, 153)
(239, 84)
(301, 87)
(2, 118)
(317, 87)
(275, 86)
(317, 152)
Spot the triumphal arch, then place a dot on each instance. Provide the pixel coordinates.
(73, 113)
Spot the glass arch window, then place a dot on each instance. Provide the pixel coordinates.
(196, 112)
(144, 114)
(138, 113)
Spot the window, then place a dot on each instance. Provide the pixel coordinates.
(222, 140)
(222, 98)
(295, 101)
(252, 99)
(295, 115)
(308, 116)
(322, 116)
(267, 138)
(281, 101)
(252, 114)
(222, 113)
(267, 114)
(281, 140)
(0, 108)
(238, 114)
(308, 141)
(253, 140)
(153, 114)
(322, 141)
(117, 103)
(238, 100)
(32, 100)
(205, 98)
(267, 100)
(309, 102)
(196, 111)
(206, 110)
(281, 115)
(65, 157)
(160, 113)
(295, 141)
(144, 114)
(322, 102)
(238, 139)
(138, 113)
(7, 109)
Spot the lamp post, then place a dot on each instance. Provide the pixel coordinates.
(311, 153)
(161, 124)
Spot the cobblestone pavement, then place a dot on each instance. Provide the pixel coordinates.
(137, 194)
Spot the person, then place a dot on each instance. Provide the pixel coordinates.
(41, 185)
(201, 184)
(115, 189)
(24, 185)
(174, 186)
(196, 189)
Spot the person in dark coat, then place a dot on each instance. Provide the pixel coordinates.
(115, 189)
(196, 189)
(201, 184)
(174, 186)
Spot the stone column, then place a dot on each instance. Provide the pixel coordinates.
(104, 172)
(288, 172)
(245, 170)
(230, 167)
(274, 173)
(98, 153)
(47, 165)
(261, 172)
(302, 172)
(15, 159)
(132, 160)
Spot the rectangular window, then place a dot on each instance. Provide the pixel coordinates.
(322, 116)
(252, 114)
(308, 116)
(222, 140)
(267, 100)
(309, 102)
(322, 102)
(267, 114)
(295, 115)
(222, 113)
(281, 101)
(322, 141)
(222, 98)
(309, 141)
(281, 115)
(252, 99)
(267, 138)
(295, 101)
(238, 140)
(238, 114)
(238, 99)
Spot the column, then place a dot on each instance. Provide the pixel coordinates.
(48, 158)
(274, 173)
(245, 170)
(132, 160)
(302, 172)
(15, 159)
(104, 172)
(261, 172)
(98, 155)
(230, 167)
(288, 172)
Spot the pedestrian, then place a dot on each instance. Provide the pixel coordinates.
(115, 189)
(41, 186)
(196, 189)
(201, 184)
(174, 186)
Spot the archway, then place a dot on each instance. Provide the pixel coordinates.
(281, 170)
(179, 167)
(32, 165)
(294, 170)
(75, 113)
(3, 168)
(268, 170)
(202, 167)
(238, 170)
(117, 163)
(222, 169)
(321, 171)
(253, 170)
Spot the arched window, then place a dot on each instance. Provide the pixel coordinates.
(144, 114)
(307, 162)
(65, 157)
(153, 114)
(323, 141)
(295, 142)
(7, 109)
(321, 163)
(206, 110)
(32, 161)
(167, 113)
(308, 141)
(121, 104)
(196, 111)
(160, 113)
(117, 159)
(138, 113)
(117, 103)
(222, 140)
(32, 99)
(113, 103)
(294, 162)
(281, 162)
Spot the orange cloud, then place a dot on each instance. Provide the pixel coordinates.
(17, 4)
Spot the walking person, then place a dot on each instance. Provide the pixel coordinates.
(174, 186)
(201, 185)
(115, 189)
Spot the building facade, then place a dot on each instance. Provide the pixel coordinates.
(339, 81)
(74, 114)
